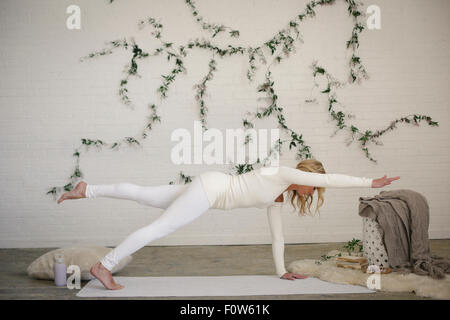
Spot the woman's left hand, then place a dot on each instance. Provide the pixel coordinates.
(292, 276)
(384, 181)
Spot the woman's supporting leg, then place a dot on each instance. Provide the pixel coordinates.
(188, 206)
(155, 196)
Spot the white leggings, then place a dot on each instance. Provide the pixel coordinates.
(182, 204)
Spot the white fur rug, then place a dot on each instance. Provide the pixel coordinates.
(216, 286)
(423, 286)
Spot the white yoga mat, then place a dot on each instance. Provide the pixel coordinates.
(216, 286)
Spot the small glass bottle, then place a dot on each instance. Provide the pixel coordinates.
(60, 271)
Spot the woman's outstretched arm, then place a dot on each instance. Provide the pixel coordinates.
(296, 176)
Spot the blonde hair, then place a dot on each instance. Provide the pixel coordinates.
(309, 165)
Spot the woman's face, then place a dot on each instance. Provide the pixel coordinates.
(302, 189)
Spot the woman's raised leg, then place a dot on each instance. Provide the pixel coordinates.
(160, 196)
(155, 196)
(188, 206)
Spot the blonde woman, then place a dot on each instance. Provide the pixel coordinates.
(260, 188)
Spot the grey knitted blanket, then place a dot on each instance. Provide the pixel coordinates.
(403, 216)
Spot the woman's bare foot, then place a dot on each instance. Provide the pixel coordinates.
(105, 277)
(77, 193)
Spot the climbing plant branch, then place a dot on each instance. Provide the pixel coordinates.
(296, 139)
(363, 136)
(201, 89)
(211, 27)
(182, 178)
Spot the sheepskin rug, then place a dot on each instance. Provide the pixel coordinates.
(423, 286)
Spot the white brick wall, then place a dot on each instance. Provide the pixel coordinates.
(49, 101)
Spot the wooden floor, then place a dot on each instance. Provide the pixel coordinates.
(185, 261)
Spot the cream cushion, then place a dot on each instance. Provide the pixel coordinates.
(83, 256)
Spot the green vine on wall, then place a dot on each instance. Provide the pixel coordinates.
(296, 141)
(363, 136)
(201, 90)
(280, 46)
(182, 178)
(211, 27)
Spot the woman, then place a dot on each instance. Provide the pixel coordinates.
(261, 188)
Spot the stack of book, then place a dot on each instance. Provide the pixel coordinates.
(357, 263)
(352, 262)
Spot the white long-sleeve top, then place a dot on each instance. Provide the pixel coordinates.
(276, 231)
(259, 188)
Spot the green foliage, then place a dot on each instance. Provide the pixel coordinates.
(354, 246)
(325, 257)
(201, 90)
(243, 168)
(296, 141)
(210, 27)
(362, 136)
(184, 178)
